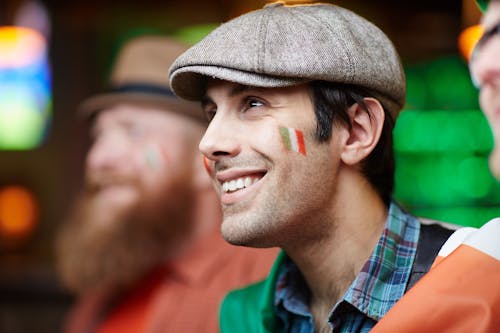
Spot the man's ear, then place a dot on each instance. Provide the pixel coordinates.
(365, 132)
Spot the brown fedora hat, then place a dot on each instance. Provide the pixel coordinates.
(140, 76)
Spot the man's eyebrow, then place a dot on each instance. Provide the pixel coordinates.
(240, 88)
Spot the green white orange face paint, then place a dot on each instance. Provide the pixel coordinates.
(155, 156)
(206, 164)
(293, 140)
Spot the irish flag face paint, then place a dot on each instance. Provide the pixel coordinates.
(293, 139)
(155, 156)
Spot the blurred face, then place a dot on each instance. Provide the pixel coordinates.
(138, 154)
(139, 189)
(485, 71)
(271, 174)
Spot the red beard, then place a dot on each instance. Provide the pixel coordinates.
(111, 246)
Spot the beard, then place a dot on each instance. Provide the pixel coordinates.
(110, 245)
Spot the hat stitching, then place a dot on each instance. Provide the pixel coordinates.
(263, 27)
(350, 63)
(348, 55)
(203, 76)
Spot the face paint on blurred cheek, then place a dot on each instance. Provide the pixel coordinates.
(206, 164)
(293, 140)
(155, 156)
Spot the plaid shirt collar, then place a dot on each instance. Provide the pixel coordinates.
(380, 284)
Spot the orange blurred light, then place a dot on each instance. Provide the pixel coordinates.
(18, 212)
(294, 2)
(20, 47)
(468, 40)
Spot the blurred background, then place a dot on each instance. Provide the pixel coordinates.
(55, 53)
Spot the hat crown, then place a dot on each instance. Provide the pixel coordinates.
(140, 77)
(146, 60)
(281, 45)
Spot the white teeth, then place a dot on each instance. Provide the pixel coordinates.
(238, 184)
(248, 181)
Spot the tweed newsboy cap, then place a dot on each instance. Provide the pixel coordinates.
(284, 45)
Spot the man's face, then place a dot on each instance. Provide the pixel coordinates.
(139, 186)
(273, 177)
(485, 70)
(138, 154)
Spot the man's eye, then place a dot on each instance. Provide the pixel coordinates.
(210, 113)
(251, 103)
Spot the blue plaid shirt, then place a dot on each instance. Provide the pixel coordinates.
(380, 284)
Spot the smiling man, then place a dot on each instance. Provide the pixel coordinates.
(302, 100)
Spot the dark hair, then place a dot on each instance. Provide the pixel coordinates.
(331, 101)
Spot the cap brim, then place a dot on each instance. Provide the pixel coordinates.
(94, 104)
(190, 82)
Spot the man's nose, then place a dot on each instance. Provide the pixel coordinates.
(107, 152)
(221, 138)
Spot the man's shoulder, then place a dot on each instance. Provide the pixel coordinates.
(433, 234)
(250, 295)
(255, 294)
(251, 309)
(240, 309)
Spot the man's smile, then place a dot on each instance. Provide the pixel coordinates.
(238, 182)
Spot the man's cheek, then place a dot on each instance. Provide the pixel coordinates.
(155, 156)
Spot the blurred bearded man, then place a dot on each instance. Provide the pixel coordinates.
(142, 248)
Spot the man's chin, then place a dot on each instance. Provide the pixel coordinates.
(116, 197)
(92, 241)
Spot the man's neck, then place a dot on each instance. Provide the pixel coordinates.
(353, 225)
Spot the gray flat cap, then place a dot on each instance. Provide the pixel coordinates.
(284, 45)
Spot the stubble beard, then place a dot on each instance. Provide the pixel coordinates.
(264, 223)
(248, 228)
(279, 219)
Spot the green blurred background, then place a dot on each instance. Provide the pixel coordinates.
(442, 142)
